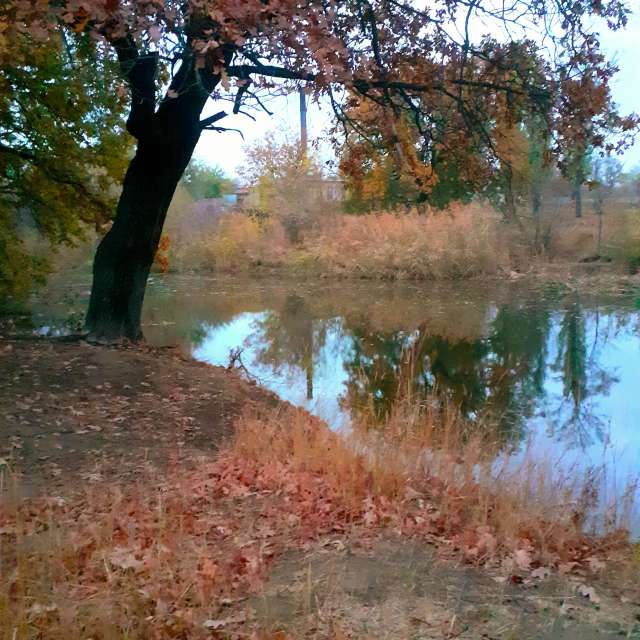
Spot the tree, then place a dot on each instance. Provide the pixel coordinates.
(578, 168)
(586, 119)
(384, 50)
(383, 159)
(202, 181)
(285, 180)
(63, 149)
(540, 169)
(605, 177)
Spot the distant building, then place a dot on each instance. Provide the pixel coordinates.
(209, 210)
(241, 195)
(332, 189)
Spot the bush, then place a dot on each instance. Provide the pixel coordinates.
(462, 242)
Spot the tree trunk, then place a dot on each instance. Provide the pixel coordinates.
(536, 206)
(126, 253)
(166, 140)
(577, 195)
(509, 195)
(599, 247)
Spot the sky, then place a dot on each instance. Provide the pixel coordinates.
(226, 150)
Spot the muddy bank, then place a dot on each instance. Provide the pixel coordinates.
(71, 411)
(230, 556)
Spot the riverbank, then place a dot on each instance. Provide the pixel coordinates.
(155, 517)
(72, 412)
(466, 241)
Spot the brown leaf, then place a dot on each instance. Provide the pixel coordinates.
(124, 559)
(589, 592)
(522, 558)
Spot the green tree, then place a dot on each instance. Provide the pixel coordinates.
(63, 150)
(202, 181)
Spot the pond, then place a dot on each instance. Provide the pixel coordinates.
(559, 364)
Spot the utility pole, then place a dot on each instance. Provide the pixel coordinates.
(303, 125)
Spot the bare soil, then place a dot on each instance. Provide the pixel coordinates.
(401, 589)
(71, 411)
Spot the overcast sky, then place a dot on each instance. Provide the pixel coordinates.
(227, 149)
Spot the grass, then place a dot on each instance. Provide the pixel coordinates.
(572, 239)
(462, 242)
(175, 555)
(432, 474)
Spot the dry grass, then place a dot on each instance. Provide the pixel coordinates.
(430, 473)
(175, 556)
(154, 561)
(462, 242)
(568, 238)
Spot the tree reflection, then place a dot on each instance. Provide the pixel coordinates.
(504, 376)
(497, 377)
(582, 378)
(290, 337)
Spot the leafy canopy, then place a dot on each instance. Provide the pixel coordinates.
(439, 147)
(381, 49)
(63, 149)
(417, 61)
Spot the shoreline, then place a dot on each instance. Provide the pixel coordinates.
(264, 558)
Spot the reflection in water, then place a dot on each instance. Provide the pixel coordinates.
(582, 378)
(537, 362)
(564, 366)
(287, 338)
(498, 376)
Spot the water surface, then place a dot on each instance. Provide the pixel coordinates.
(561, 365)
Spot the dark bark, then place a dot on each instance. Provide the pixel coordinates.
(536, 207)
(509, 195)
(126, 253)
(166, 140)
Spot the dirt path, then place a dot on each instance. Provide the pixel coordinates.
(403, 590)
(73, 411)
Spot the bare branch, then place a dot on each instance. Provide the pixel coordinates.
(222, 129)
(211, 119)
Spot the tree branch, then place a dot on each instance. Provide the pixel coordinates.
(222, 129)
(245, 70)
(139, 72)
(211, 119)
(21, 153)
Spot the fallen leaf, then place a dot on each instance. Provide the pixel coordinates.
(522, 558)
(566, 567)
(589, 592)
(595, 564)
(541, 573)
(220, 623)
(124, 559)
(38, 609)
